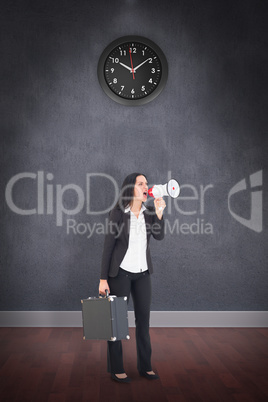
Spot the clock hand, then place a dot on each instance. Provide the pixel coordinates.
(136, 68)
(132, 69)
(122, 64)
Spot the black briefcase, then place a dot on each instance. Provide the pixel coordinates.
(105, 318)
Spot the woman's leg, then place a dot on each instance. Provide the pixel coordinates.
(120, 287)
(141, 294)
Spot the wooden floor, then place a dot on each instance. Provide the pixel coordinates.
(194, 364)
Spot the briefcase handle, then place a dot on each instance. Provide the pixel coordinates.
(106, 293)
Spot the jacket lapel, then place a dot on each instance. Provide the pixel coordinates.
(126, 223)
(147, 223)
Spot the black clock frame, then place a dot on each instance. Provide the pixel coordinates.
(145, 99)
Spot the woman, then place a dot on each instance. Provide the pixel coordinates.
(127, 266)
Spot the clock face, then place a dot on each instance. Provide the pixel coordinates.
(132, 70)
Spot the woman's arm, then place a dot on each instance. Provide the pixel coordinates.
(109, 242)
(158, 226)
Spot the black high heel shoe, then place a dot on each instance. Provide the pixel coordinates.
(149, 376)
(125, 380)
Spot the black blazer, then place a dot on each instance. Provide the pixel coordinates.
(116, 239)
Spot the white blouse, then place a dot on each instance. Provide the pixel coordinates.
(135, 258)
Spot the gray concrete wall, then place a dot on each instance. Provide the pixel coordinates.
(207, 129)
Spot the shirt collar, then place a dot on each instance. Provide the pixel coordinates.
(127, 209)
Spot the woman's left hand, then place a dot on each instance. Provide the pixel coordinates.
(160, 205)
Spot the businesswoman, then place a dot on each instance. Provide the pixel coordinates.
(127, 267)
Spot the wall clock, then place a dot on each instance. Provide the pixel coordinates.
(132, 70)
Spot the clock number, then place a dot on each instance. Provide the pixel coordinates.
(153, 70)
(123, 52)
(150, 60)
(115, 80)
(143, 88)
(150, 80)
(112, 70)
(133, 50)
(132, 91)
(122, 87)
(114, 60)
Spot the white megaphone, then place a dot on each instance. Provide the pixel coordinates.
(171, 189)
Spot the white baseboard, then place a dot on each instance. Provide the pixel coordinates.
(158, 319)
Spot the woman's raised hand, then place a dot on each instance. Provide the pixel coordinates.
(160, 205)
